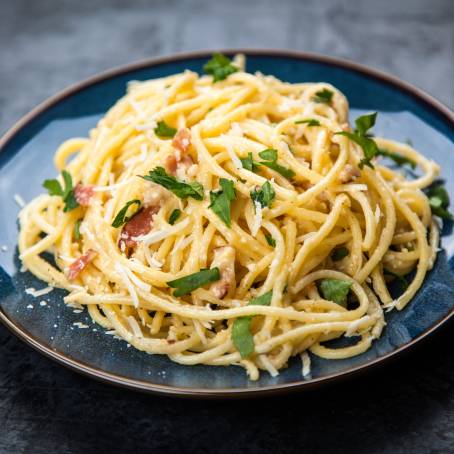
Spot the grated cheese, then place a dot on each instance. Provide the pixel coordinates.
(154, 237)
(377, 214)
(113, 187)
(43, 303)
(132, 291)
(353, 327)
(306, 360)
(80, 325)
(135, 326)
(19, 200)
(138, 282)
(235, 159)
(4, 248)
(35, 293)
(268, 366)
(257, 219)
(30, 306)
(152, 261)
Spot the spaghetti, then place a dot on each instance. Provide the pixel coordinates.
(233, 219)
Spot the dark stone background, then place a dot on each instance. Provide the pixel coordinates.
(405, 407)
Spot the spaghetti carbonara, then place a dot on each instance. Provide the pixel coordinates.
(235, 219)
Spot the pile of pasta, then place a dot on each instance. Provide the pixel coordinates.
(233, 219)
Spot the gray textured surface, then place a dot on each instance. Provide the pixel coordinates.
(406, 407)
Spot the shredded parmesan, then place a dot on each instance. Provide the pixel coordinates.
(19, 200)
(377, 214)
(154, 237)
(138, 282)
(355, 325)
(135, 326)
(268, 366)
(80, 325)
(36, 293)
(306, 360)
(132, 291)
(4, 248)
(235, 159)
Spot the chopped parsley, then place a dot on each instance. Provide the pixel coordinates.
(309, 121)
(397, 158)
(174, 215)
(439, 200)
(339, 253)
(220, 67)
(188, 284)
(335, 290)
(67, 193)
(76, 230)
(241, 330)
(270, 240)
(323, 96)
(121, 217)
(249, 163)
(370, 148)
(264, 195)
(220, 200)
(270, 160)
(164, 130)
(181, 189)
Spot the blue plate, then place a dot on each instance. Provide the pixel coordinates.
(26, 154)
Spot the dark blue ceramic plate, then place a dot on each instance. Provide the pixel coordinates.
(26, 160)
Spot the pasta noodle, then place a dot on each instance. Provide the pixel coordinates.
(292, 236)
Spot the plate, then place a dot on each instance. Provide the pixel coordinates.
(26, 152)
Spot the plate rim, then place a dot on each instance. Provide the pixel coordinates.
(179, 391)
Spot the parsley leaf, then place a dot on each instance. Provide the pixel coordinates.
(270, 240)
(323, 96)
(187, 284)
(220, 200)
(67, 193)
(121, 217)
(179, 188)
(335, 290)
(439, 200)
(241, 330)
(76, 230)
(174, 215)
(164, 130)
(220, 67)
(370, 148)
(397, 158)
(402, 281)
(270, 157)
(264, 195)
(309, 121)
(339, 253)
(249, 163)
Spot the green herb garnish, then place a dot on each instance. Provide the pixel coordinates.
(220, 200)
(121, 217)
(179, 188)
(439, 200)
(249, 163)
(220, 67)
(264, 195)
(397, 158)
(270, 240)
(187, 284)
(335, 290)
(241, 330)
(76, 230)
(67, 193)
(309, 121)
(174, 215)
(339, 253)
(270, 157)
(370, 148)
(164, 130)
(323, 96)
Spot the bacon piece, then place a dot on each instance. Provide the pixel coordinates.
(140, 224)
(83, 194)
(171, 164)
(224, 259)
(182, 140)
(80, 264)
